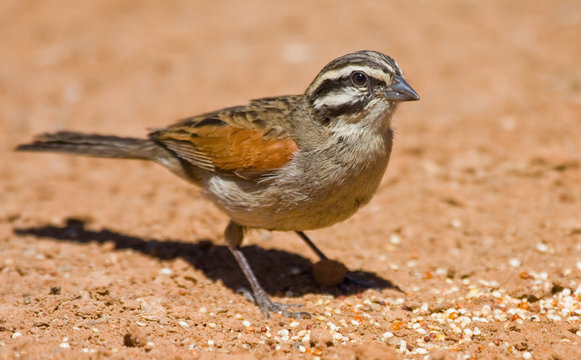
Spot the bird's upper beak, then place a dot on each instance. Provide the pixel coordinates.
(400, 90)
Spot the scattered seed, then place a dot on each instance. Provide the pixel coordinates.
(524, 305)
(402, 346)
(387, 335)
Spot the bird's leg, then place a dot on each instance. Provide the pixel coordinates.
(348, 278)
(234, 235)
(312, 245)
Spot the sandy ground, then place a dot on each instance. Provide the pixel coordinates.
(478, 218)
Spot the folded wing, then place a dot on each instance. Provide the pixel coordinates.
(245, 141)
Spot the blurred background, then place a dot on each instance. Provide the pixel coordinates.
(500, 84)
(486, 168)
(124, 64)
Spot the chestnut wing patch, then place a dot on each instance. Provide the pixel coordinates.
(212, 144)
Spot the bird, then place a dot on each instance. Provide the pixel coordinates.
(284, 163)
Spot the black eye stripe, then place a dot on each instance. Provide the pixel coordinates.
(344, 109)
(333, 85)
(329, 86)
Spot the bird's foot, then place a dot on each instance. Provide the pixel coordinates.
(268, 306)
(353, 280)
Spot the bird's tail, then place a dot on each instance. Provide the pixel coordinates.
(94, 145)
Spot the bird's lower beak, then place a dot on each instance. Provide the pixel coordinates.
(400, 90)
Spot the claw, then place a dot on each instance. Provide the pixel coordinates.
(350, 279)
(278, 308)
(267, 306)
(359, 282)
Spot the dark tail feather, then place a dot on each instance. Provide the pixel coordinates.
(94, 145)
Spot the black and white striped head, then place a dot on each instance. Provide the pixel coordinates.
(359, 82)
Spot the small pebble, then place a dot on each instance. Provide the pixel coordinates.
(184, 324)
(514, 262)
(542, 247)
(320, 337)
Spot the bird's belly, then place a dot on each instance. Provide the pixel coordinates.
(304, 204)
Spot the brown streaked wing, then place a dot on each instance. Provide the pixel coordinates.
(236, 140)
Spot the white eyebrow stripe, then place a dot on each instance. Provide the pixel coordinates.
(339, 73)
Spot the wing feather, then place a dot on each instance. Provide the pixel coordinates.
(245, 141)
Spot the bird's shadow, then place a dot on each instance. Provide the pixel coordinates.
(215, 261)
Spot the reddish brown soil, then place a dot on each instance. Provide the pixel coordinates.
(478, 218)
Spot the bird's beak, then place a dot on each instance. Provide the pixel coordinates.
(400, 90)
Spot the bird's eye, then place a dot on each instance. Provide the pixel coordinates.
(358, 78)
